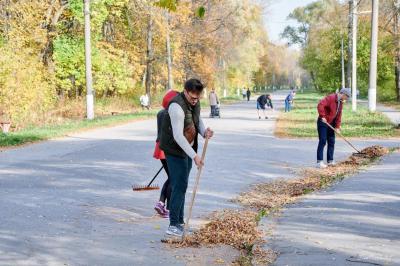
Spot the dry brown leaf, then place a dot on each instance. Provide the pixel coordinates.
(237, 228)
(280, 192)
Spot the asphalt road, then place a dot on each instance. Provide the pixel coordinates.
(69, 201)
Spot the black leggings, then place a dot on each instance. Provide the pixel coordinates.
(166, 189)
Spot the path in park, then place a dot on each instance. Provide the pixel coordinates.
(355, 222)
(69, 201)
(390, 112)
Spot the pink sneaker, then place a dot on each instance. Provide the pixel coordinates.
(166, 213)
(160, 208)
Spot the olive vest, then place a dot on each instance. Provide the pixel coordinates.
(192, 118)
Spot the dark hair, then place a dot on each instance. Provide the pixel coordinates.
(194, 85)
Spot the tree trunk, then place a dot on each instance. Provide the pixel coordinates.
(186, 60)
(350, 45)
(190, 39)
(109, 31)
(397, 73)
(170, 83)
(312, 74)
(150, 55)
(396, 31)
(154, 81)
(5, 17)
(52, 18)
(88, 63)
(144, 78)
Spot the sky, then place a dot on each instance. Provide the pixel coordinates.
(275, 17)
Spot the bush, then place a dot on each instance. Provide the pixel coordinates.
(26, 89)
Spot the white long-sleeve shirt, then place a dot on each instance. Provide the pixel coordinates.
(177, 122)
(144, 100)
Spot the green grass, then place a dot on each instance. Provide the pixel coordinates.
(301, 122)
(32, 134)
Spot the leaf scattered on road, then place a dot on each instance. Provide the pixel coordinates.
(239, 228)
(275, 194)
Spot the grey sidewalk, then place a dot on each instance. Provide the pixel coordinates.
(391, 113)
(356, 222)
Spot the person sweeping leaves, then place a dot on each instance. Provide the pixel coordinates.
(262, 101)
(179, 141)
(162, 206)
(330, 112)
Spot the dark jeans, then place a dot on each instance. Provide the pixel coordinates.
(166, 189)
(325, 134)
(288, 106)
(213, 109)
(179, 170)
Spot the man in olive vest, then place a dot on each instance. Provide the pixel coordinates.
(179, 133)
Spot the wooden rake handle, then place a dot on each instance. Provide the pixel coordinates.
(203, 155)
(340, 134)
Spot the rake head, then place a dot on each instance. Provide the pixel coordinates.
(144, 188)
(362, 154)
(172, 240)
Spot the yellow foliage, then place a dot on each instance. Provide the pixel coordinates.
(26, 92)
(30, 85)
(25, 25)
(26, 86)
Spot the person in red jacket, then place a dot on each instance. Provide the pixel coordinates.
(161, 207)
(330, 111)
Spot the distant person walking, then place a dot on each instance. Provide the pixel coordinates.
(144, 101)
(248, 94)
(289, 101)
(262, 101)
(329, 111)
(244, 93)
(213, 99)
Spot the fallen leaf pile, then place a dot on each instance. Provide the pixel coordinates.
(263, 256)
(259, 256)
(280, 192)
(267, 196)
(237, 228)
(366, 155)
(375, 151)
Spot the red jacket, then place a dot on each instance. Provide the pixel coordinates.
(327, 108)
